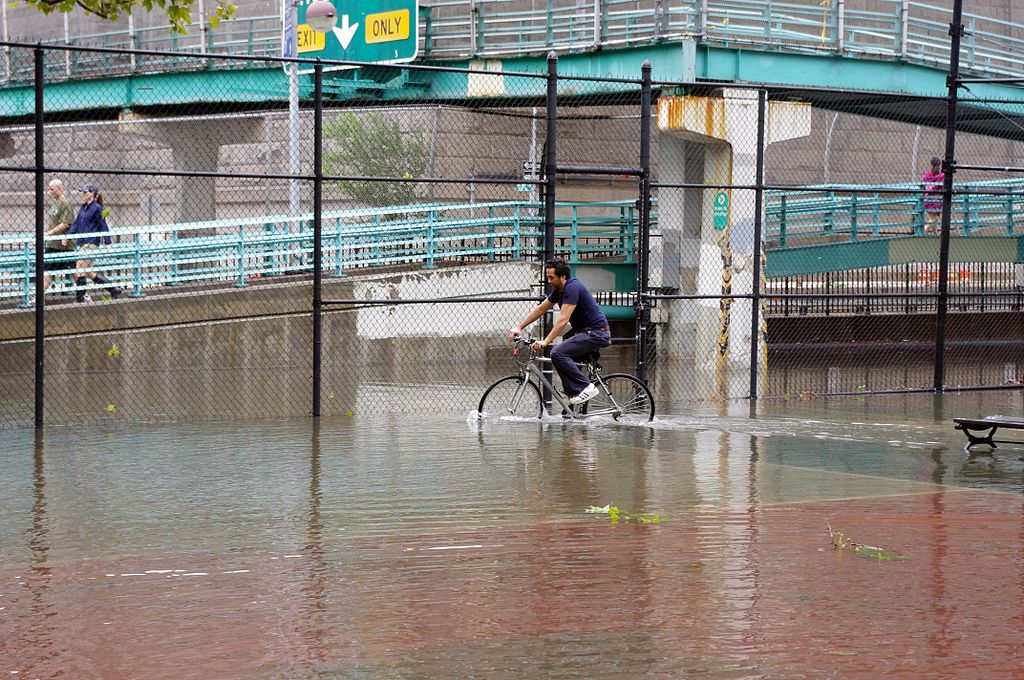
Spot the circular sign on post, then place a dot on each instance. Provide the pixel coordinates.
(720, 211)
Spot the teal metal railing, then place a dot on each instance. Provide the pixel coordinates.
(455, 29)
(849, 212)
(235, 252)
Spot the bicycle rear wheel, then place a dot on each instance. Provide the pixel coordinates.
(512, 395)
(624, 398)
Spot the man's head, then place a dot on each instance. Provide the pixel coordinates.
(557, 272)
(56, 188)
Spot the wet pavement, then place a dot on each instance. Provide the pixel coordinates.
(408, 547)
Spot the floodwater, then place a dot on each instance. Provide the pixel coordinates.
(409, 547)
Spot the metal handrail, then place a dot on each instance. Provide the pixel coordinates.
(911, 31)
(237, 251)
(843, 211)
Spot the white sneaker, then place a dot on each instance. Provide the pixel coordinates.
(588, 393)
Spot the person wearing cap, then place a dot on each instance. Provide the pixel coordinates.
(88, 226)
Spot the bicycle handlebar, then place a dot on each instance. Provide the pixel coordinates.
(523, 340)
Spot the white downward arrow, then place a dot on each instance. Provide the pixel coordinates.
(346, 32)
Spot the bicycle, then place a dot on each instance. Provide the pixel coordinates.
(621, 396)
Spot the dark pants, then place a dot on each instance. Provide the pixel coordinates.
(565, 352)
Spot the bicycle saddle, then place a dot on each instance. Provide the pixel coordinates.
(590, 357)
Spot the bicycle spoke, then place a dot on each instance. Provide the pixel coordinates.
(622, 397)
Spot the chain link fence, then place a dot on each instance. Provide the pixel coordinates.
(362, 242)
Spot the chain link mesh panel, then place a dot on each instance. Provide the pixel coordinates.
(442, 201)
(434, 188)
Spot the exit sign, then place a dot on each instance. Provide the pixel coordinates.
(373, 31)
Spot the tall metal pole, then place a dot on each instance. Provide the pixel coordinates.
(755, 316)
(294, 168)
(956, 31)
(5, 36)
(318, 188)
(40, 226)
(550, 171)
(550, 157)
(643, 311)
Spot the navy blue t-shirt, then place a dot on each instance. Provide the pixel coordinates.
(91, 225)
(587, 313)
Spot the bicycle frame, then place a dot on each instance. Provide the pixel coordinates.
(532, 368)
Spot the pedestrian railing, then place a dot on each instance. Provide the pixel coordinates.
(238, 251)
(851, 212)
(456, 29)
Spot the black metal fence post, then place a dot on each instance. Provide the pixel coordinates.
(550, 171)
(318, 187)
(956, 30)
(550, 157)
(40, 226)
(755, 301)
(643, 312)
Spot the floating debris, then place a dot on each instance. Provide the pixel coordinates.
(616, 515)
(841, 542)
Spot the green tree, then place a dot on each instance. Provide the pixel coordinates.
(373, 146)
(179, 12)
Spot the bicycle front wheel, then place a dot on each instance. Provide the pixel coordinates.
(512, 395)
(624, 398)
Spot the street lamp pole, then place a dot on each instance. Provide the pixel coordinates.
(321, 16)
(294, 164)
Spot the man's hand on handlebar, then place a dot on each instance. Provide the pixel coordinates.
(516, 336)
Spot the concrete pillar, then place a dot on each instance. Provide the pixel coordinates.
(713, 140)
(195, 146)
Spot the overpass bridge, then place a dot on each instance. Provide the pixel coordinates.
(898, 47)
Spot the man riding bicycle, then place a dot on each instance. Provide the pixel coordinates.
(590, 330)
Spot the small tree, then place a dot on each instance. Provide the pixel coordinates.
(373, 146)
(179, 12)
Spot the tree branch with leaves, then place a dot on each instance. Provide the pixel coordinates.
(372, 145)
(179, 12)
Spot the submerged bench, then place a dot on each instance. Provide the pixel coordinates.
(969, 426)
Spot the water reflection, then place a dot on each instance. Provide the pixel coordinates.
(405, 547)
(316, 588)
(38, 578)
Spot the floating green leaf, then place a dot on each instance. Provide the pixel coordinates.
(614, 514)
(111, 408)
(113, 351)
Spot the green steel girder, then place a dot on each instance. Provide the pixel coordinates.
(878, 252)
(672, 61)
